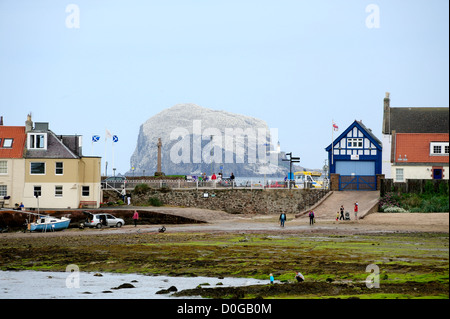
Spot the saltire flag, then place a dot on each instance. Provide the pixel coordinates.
(335, 127)
(115, 138)
(95, 138)
(107, 134)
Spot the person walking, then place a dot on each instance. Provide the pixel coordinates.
(311, 217)
(282, 219)
(271, 278)
(129, 198)
(342, 213)
(135, 217)
(337, 216)
(356, 211)
(232, 180)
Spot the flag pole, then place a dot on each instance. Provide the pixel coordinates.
(332, 140)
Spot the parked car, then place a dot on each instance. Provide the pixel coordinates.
(102, 220)
(278, 185)
(115, 182)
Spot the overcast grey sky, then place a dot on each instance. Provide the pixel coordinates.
(87, 66)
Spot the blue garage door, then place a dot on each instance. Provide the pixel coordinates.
(358, 168)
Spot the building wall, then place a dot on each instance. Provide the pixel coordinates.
(386, 156)
(80, 181)
(14, 180)
(417, 171)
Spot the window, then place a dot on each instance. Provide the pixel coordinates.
(85, 191)
(59, 168)
(58, 191)
(439, 148)
(3, 167)
(37, 168)
(354, 142)
(7, 142)
(37, 191)
(3, 190)
(37, 141)
(399, 174)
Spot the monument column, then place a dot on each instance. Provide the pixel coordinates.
(159, 169)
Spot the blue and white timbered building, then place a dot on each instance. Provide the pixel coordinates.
(356, 156)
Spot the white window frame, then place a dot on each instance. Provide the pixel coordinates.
(443, 148)
(31, 141)
(45, 168)
(10, 142)
(3, 167)
(83, 192)
(59, 191)
(355, 142)
(61, 168)
(399, 175)
(3, 190)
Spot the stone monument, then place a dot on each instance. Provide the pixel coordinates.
(159, 170)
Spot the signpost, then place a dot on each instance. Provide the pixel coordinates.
(291, 160)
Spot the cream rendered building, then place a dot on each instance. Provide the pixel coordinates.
(52, 167)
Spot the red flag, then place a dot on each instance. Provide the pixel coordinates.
(335, 127)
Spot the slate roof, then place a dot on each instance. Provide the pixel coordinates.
(55, 149)
(418, 120)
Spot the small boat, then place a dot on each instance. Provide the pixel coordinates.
(46, 223)
(41, 222)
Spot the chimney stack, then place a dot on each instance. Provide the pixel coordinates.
(387, 114)
(1, 120)
(28, 124)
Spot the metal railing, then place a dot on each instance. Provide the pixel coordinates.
(226, 183)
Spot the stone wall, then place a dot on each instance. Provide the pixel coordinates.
(236, 201)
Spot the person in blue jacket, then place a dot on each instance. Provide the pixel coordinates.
(282, 219)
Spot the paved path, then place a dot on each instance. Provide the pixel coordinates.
(328, 208)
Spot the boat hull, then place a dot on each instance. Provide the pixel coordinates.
(55, 226)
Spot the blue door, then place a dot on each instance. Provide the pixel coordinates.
(437, 173)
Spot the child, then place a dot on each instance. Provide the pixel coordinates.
(271, 278)
(337, 216)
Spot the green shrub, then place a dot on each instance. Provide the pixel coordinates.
(141, 189)
(443, 189)
(429, 187)
(154, 201)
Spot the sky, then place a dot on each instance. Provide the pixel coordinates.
(90, 66)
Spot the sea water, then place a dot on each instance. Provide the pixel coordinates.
(29, 284)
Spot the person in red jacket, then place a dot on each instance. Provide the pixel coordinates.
(135, 217)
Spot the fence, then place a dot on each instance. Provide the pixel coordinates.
(417, 186)
(251, 183)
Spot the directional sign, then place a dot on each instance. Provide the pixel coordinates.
(95, 138)
(115, 138)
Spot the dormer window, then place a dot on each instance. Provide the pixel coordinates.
(37, 141)
(439, 148)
